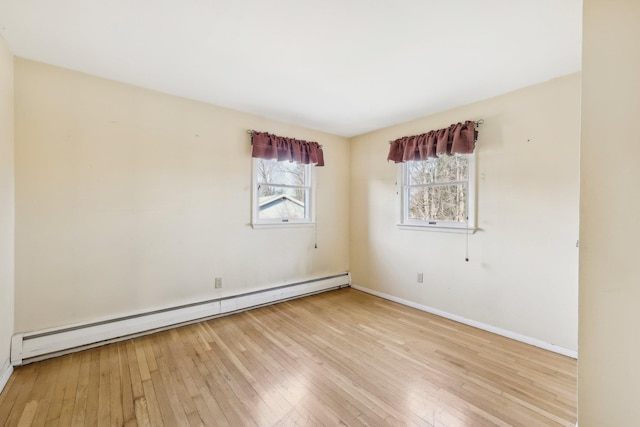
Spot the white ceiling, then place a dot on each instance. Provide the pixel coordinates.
(342, 66)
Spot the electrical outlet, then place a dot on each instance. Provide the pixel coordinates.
(420, 278)
(218, 282)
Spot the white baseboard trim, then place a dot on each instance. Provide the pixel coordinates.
(38, 345)
(503, 332)
(5, 374)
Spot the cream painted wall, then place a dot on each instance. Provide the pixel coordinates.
(609, 364)
(6, 203)
(129, 199)
(522, 273)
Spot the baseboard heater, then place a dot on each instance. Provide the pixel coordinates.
(39, 345)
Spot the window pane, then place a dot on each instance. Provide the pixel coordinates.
(442, 169)
(277, 202)
(284, 173)
(438, 203)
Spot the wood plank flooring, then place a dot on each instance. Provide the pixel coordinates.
(338, 358)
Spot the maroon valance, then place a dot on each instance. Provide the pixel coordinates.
(458, 138)
(267, 146)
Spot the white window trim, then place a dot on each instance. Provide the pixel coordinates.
(442, 226)
(256, 222)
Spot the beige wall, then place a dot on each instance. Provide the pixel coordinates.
(129, 199)
(609, 365)
(6, 202)
(522, 273)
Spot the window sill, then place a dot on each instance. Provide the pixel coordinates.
(438, 228)
(282, 224)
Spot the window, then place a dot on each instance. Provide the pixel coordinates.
(439, 192)
(282, 193)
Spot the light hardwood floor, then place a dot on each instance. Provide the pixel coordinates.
(338, 358)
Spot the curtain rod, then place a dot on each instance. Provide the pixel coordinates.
(477, 122)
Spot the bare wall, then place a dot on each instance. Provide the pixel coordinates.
(6, 203)
(522, 272)
(129, 199)
(609, 368)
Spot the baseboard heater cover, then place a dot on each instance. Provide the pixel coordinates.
(33, 346)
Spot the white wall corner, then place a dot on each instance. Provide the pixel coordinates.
(5, 374)
(485, 327)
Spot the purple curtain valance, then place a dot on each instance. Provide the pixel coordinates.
(267, 146)
(458, 138)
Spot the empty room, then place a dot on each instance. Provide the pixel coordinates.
(319, 213)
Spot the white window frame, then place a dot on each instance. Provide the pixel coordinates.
(412, 224)
(310, 201)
